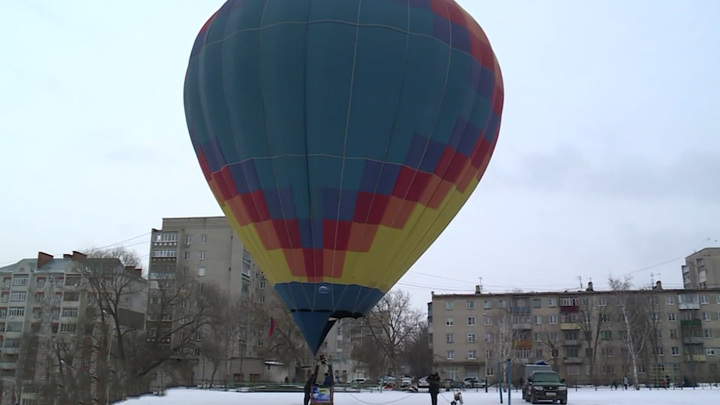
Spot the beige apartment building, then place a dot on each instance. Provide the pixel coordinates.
(50, 298)
(702, 269)
(207, 248)
(471, 333)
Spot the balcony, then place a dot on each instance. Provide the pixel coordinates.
(696, 358)
(569, 309)
(688, 301)
(522, 326)
(523, 344)
(6, 365)
(521, 310)
(690, 323)
(694, 340)
(571, 342)
(570, 326)
(572, 360)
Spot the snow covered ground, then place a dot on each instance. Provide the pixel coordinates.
(584, 396)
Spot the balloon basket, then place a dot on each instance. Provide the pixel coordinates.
(322, 395)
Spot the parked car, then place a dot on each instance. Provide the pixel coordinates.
(423, 383)
(359, 381)
(473, 382)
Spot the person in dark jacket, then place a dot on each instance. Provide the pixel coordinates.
(434, 387)
(308, 388)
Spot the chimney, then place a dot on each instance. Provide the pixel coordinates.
(139, 272)
(658, 285)
(78, 257)
(43, 259)
(590, 286)
(478, 290)
(67, 256)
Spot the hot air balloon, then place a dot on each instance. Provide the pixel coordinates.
(340, 138)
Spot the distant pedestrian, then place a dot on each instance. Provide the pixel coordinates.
(625, 382)
(308, 388)
(434, 387)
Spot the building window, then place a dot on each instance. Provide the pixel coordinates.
(17, 311)
(20, 280)
(471, 305)
(670, 300)
(673, 334)
(606, 334)
(703, 299)
(501, 304)
(68, 327)
(449, 305)
(487, 304)
(201, 271)
(538, 319)
(671, 316)
(71, 297)
(552, 303)
(553, 319)
(471, 321)
(40, 282)
(472, 354)
(450, 354)
(449, 321)
(18, 296)
(573, 370)
(262, 284)
(187, 255)
(202, 255)
(188, 240)
(706, 316)
(203, 239)
(538, 336)
(675, 351)
(70, 312)
(537, 303)
(708, 333)
(449, 338)
(471, 338)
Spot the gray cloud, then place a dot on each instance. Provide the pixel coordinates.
(687, 175)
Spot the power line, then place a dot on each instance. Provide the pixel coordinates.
(123, 241)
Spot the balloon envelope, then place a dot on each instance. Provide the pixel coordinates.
(340, 137)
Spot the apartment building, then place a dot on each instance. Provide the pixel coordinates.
(206, 248)
(338, 347)
(472, 333)
(50, 298)
(702, 269)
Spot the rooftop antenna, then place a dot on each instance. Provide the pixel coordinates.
(580, 278)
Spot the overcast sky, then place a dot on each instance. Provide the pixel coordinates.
(608, 160)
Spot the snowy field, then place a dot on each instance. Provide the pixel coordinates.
(585, 396)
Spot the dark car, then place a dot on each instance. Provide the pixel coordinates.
(545, 386)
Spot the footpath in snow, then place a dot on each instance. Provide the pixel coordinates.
(583, 396)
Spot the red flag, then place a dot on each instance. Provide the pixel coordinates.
(272, 327)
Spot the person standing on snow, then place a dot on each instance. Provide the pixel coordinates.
(434, 387)
(308, 388)
(625, 382)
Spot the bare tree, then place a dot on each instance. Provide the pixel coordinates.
(551, 342)
(221, 334)
(594, 324)
(417, 354)
(286, 344)
(179, 310)
(390, 326)
(639, 320)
